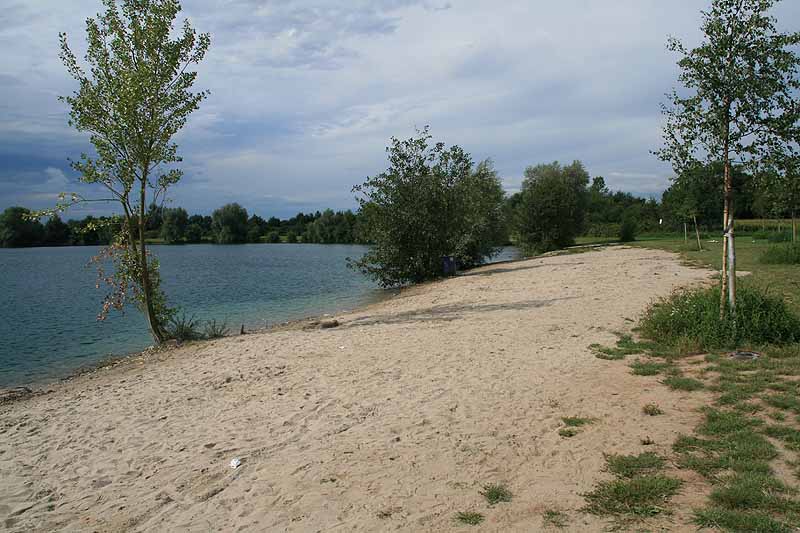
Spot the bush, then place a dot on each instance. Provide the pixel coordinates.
(693, 315)
(215, 330)
(787, 254)
(184, 328)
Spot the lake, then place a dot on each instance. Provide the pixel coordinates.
(48, 320)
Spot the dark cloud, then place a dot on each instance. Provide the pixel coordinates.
(306, 93)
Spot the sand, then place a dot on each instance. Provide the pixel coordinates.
(392, 421)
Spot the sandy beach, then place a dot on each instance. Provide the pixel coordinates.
(394, 420)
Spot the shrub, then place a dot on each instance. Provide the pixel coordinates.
(184, 328)
(786, 254)
(693, 315)
(215, 330)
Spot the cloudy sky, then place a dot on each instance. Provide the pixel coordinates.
(307, 93)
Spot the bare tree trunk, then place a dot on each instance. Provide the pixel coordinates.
(794, 226)
(697, 234)
(685, 234)
(147, 291)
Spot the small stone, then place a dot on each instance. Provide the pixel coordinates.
(327, 324)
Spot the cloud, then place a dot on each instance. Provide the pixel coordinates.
(305, 94)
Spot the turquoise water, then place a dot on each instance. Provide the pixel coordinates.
(48, 325)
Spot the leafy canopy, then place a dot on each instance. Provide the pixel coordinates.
(431, 202)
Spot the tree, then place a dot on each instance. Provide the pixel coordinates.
(229, 224)
(174, 223)
(551, 207)
(431, 202)
(56, 233)
(134, 98)
(740, 82)
(194, 233)
(19, 229)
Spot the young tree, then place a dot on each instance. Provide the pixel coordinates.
(552, 204)
(740, 82)
(430, 203)
(135, 96)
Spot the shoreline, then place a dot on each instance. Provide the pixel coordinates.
(105, 362)
(395, 419)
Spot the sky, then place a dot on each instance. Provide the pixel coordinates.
(306, 94)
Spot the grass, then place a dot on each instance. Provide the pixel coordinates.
(469, 518)
(625, 346)
(683, 383)
(568, 432)
(496, 493)
(762, 317)
(215, 330)
(647, 368)
(184, 328)
(641, 496)
(783, 254)
(755, 416)
(778, 279)
(630, 466)
(652, 409)
(576, 421)
(555, 518)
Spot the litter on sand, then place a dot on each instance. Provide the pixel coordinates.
(236, 462)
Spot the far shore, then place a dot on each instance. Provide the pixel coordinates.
(393, 419)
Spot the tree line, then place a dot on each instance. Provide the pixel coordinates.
(230, 224)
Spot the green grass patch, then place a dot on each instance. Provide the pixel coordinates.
(469, 518)
(739, 521)
(576, 421)
(641, 496)
(784, 254)
(694, 314)
(496, 493)
(625, 346)
(629, 466)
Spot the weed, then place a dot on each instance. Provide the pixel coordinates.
(568, 432)
(652, 409)
(625, 346)
(470, 518)
(215, 330)
(730, 520)
(640, 496)
(786, 254)
(647, 368)
(183, 328)
(555, 518)
(683, 383)
(629, 466)
(576, 421)
(496, 493)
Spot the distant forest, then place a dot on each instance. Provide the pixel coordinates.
(231, 224)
